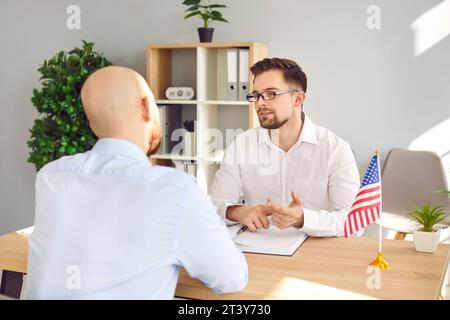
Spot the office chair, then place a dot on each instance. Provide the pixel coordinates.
(408, 177)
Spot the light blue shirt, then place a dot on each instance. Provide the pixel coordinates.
(109, 225)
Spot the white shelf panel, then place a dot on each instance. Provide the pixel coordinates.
(160, 101)
(224, 102)
(173, 157)
(216, 102)
(217, 158)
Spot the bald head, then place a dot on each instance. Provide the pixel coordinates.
(119, 104)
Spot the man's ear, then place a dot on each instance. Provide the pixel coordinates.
(145, 107)
(300, 98)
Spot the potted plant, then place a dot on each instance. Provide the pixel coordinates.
(426, 239)
(62, 128)
(206, 11)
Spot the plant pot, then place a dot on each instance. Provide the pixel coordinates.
(205, 34)
(426, 241)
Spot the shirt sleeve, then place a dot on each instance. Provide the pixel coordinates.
(205, 247)
(343, 185)
(227, 184)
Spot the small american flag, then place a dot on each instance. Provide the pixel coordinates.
(367, 206)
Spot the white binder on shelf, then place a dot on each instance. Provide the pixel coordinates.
(164, 146)
(232, 74)
(170, 119)
(190, 166)
(179, 165)
(243, 75)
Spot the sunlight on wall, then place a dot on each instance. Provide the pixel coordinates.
(431, 27)
(436, 139)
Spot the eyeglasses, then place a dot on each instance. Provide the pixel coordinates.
(267, 95)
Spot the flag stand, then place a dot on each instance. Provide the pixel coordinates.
(380, 262)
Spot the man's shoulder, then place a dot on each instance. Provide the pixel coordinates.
(169, 175)
(87, 164)
(328, 137)
(64, 162)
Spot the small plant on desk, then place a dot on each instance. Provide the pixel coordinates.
(426, 238)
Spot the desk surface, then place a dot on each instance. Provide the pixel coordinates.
(323, 268)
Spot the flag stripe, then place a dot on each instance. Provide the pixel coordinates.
(377, 212)
(347, 229)
(369, 221)
(364, 205)
(352, 226)
(364, 191)
(366, 199)
(355, 227)
(364, 208)
(363, 215)
(358, 223)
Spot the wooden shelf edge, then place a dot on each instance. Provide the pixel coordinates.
(193, 45)
(217, 102)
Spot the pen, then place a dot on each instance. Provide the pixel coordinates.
(242, 229)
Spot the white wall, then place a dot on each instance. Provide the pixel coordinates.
(366, 85)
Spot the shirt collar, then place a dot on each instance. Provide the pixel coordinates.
(309, 131)
(120, 147)
(308, 134)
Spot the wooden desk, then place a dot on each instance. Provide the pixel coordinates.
(13, 252)
(13, 262)
(323, 268)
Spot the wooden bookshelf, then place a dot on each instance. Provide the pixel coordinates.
(196, 65)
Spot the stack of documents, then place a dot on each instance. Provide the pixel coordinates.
(271, 241)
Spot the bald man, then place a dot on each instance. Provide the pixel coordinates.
(108, 225)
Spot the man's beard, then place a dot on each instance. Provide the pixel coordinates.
(272, 123)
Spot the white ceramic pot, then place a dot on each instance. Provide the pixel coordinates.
(426, 241)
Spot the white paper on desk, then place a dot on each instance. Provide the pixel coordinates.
(26, 232)
(270, 241)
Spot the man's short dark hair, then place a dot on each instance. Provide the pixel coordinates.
(292, 72)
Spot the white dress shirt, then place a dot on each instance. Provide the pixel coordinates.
(108, 225)
(320, 168)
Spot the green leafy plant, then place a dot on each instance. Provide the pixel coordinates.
(62, 128)
(428, 215)
(205, 10)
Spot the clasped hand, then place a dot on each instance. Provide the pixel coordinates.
(283, 217)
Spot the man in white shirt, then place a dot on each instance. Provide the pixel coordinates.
(301, 174)
(109, 225)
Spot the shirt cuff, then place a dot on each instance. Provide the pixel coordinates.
(310, 221)
(319, 223)
(223, 212)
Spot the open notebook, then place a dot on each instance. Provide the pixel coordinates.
(271, 241)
